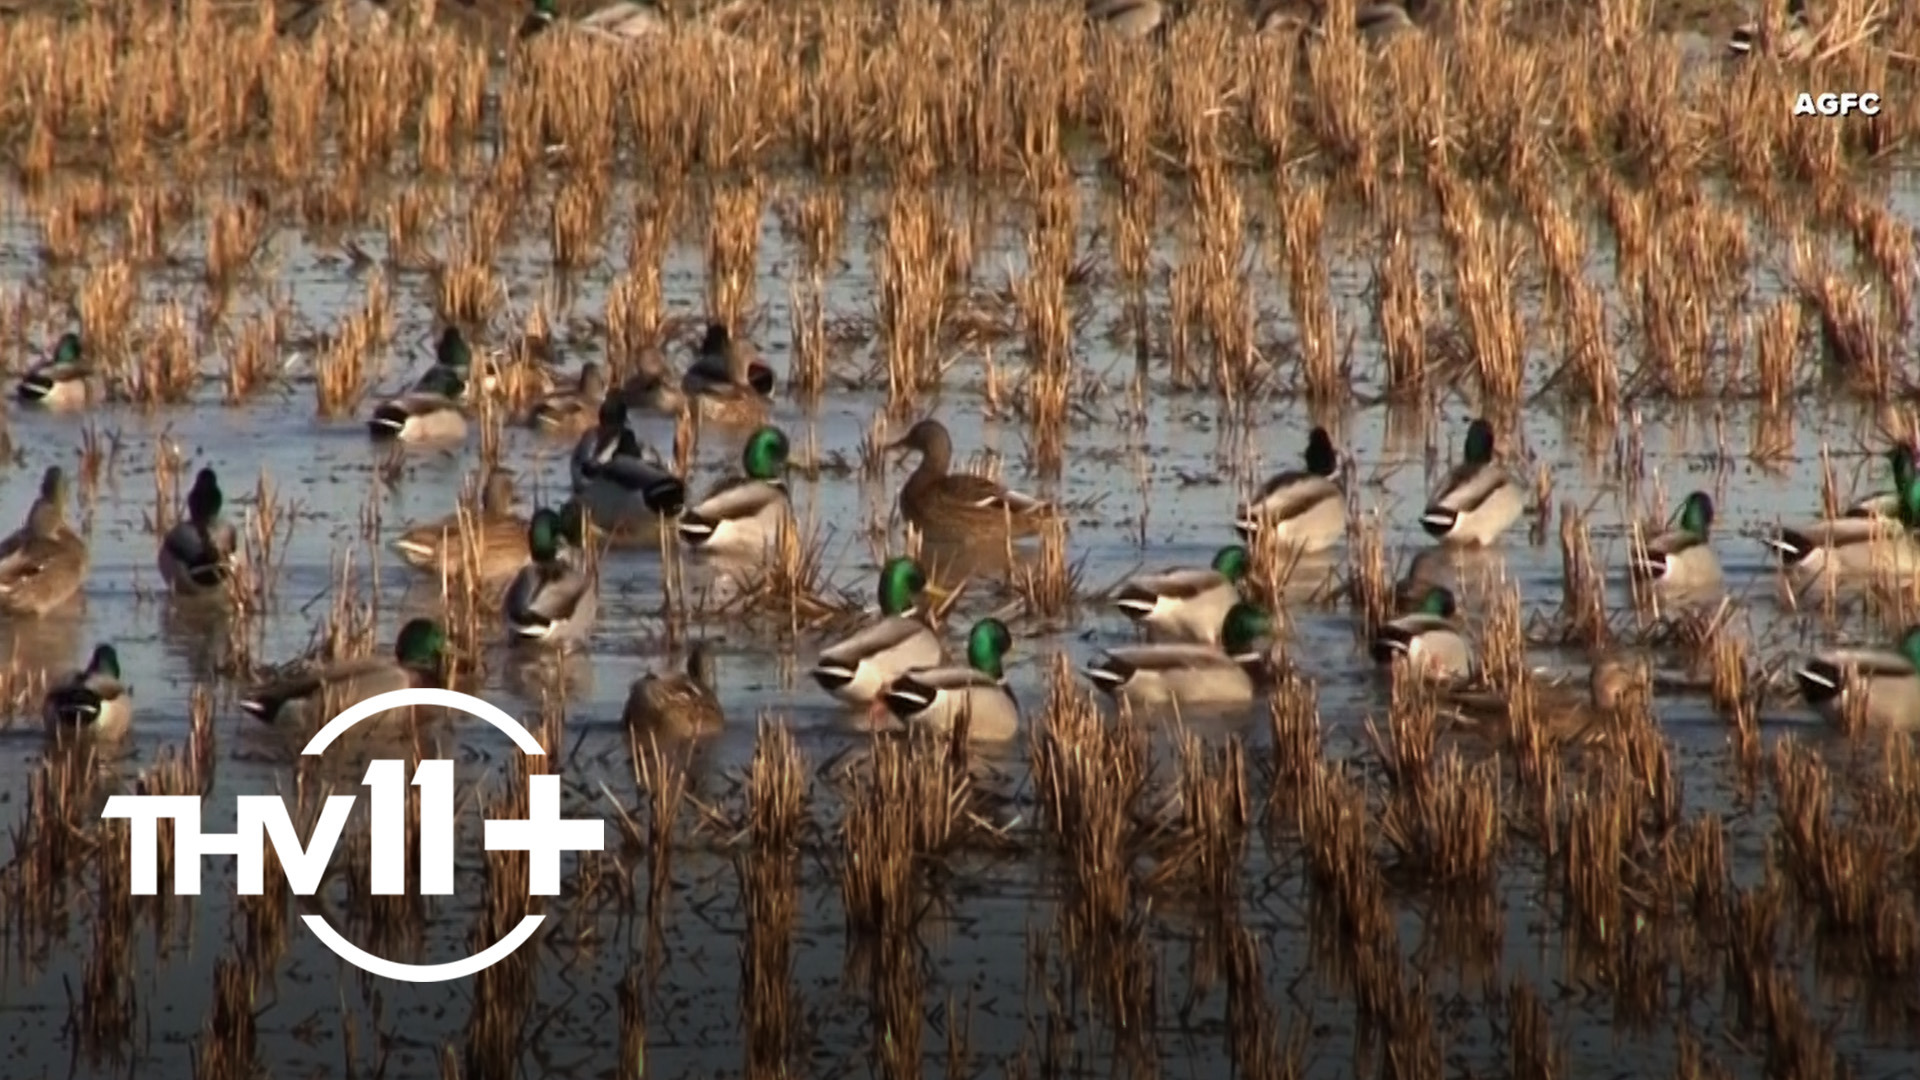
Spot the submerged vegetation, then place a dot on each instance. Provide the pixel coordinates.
(1065, 218)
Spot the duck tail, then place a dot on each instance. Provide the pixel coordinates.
(906, 698)
(832, 675)
(760, 377)
(412, 549)
(388, 422)
(1439, 522)
(667, 497)
(1136, 603)
(529, 626)
(1391, 642)
(1792, 546)
(696, 529)
(35, 387)
(1819, 681)
(1104, 676)
(77, 708)
(259, 708)
(208, 574)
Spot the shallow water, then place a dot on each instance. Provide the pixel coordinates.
(977, 939)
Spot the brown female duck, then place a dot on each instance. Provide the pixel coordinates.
(960, 506)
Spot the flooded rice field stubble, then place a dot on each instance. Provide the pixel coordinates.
(1419, 807)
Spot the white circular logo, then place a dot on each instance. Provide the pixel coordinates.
(261, 820)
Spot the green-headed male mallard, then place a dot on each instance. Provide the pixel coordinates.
(858, 668)
(1188, 675)
(1852, 547)
(1188, 604)
(551, 600)
(1882, 684)
(1886, 504)
(1428, 639)
(44, 563)
(573, 409)
(196, 555)
(677, 706)
(1478, 500)
(452, 364)
(430, 412)
(727, 383)
(312, 695)
(614, 480)
(63, 381)
(935, 699)
(439, 547)
(745, 513)
(92, 701)
(1681, 560)
(1305, 509)
(955, 506)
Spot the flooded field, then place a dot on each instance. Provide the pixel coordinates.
(1116, 301)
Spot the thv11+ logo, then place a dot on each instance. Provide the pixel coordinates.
(263, 819)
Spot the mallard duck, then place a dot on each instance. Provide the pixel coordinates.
(92, 700)
(858, 668)
(745, 513)
(676, 706)
(1681, 560)
(1376, 22)
(614, 480)
(653, 386)
(64, 381)
(430, 412)
(623, 20)
(1567, 713)
(1852, 547)
(1428, 639)
(727, 383)
(359, 18)
(1306, 509)
(452, 363)
(1796, 40)
(1382, 20)
(44, 563)
(1886, 504)
(551, 600)
(1834, 681)
(196, 555)
(574, 408)
(960, 506)
(1188, 604)
(439, 547)
(1478, 500)
(934, 699)
(1134, 19)
(1189, 675)
(312, 695)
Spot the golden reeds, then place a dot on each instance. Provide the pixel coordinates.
(950, 106)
